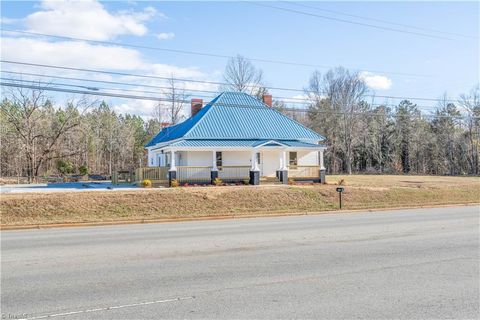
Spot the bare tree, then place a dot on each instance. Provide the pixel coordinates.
(171, 111)
(338, 92)
(241, 75)
(471, 104)
(38, 124)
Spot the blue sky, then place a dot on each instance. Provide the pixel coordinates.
(229, 28)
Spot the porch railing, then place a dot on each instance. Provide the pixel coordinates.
(303, 171)
(234, 173)
(151, 173)
(193, 174)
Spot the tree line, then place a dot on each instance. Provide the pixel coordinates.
(399, 139)
(39, 138)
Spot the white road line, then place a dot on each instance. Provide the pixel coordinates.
(107, 308)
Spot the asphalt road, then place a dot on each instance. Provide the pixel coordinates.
(408, 264)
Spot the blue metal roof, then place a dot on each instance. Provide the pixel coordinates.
(237, 116)
(213, 143)
(242, 143)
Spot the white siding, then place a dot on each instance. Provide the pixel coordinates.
(307, 158)
(236, 158)
(198, 158)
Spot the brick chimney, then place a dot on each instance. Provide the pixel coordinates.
(196, 105)
(267, 99)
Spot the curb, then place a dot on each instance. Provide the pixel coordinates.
(218, 217)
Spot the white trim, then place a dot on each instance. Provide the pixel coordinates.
(214, 161)
(271, 141)
(172, 161)
(322, 166)
(254, 161)
(283, 161)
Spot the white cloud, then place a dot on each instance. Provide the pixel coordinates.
(84, 55)
(88, 56)
(375, 81)
(86, 19)
(165, 35)
(70, 53)
(4, 20)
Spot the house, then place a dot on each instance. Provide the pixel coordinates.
(236, 137)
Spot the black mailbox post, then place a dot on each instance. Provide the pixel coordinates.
(340, 190)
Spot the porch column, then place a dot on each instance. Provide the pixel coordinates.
(151, 158)
(254, 170)
(214, 172)
(172, 172)
(322, 168)
(282, 173)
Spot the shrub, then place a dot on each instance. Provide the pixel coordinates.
(83, 170)
(246, 182)
(217, 181)
(64, 167)
(174, 183)
(147, 183)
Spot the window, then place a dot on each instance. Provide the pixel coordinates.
(259, 159)
(219, 159)
(293, 160)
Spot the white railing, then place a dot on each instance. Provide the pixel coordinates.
(236, 173)
(303, 171)
(193, 174)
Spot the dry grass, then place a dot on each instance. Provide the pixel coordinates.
(404, 181)
(360, 192)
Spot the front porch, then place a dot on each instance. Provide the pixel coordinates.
(272, 164)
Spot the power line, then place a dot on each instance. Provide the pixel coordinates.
(277, 98)
(205, 53)
(301, 101)
(377, 20)
(379, 115)
(102, 81)
(203, 81)
(87, 87)
(347, 21)
(159, 99)
(92, 93)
